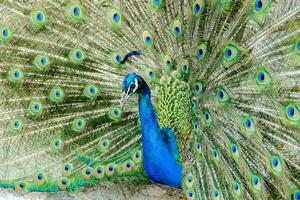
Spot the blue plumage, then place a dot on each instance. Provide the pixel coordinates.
(160, 150)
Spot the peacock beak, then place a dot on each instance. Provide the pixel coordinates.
(125, 96)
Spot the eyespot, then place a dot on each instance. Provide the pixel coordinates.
(67, 169)
(15, 75)
(99, 172)
(57, 144)
(256, 183)
(147, 39)
(35, 108)
(110, 169)
(176, 28)
(216, 194)
(63, 183)
(15, 125)
(21, 186)
(127, 166)
(116, 58)
(115, 17)
(168, 63)
(184, 66)
(196, 128)
(115, 113)
(137, 156)
(222, 96)
(189, 180)
(5, 34)
(296, 194)
(292, 113)
(231, 53)
(207, 118)
(41, 62)
(261, 5)
(263, 77)
(78, 125)
(38, 18)
(91, 91)
(198, 147)
(40, 178)
(298, 46)
(198, 7)
(75, 12)
(157, 4)
(198, 88)
(276, 164)
(201, 51)
(77, 56)
(190, 194)
(237, 190)
(56, 94)
(249, 125)
(234, 150)
(104, 144)
(87, 172)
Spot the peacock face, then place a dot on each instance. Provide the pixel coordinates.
(131, 84)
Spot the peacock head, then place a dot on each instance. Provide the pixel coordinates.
(132, 84)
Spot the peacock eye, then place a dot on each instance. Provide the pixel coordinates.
(198, 7)
(261, 5)
(231, 52)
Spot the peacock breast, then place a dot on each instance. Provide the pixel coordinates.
(174, 109)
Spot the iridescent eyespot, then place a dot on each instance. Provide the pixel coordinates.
(57, 144)
(168, 63)
(116, 58)
(222, 96)
(40, 178)
(298, 46)
(87, 172)
(198, 147)
(56, 94)
(99, 172)
(261, 5)
(215, 156)
(189, 180)
(184, 66)
(137, 156)
(21, 186)
(207, 118)
(201, 51)
(115, 17)
(292, 113)
(78, 125)
(110, 169)
(38, 18)
(147, 38)
(35, 107)
(198, 88)
(63, 183)
(295, 195)
(198, 7)
(190, 194)
(127, 166)
(157, 4)
(41, 62)
(237, 190)
(249, 125)
(77, 56)
(15, 75)
(276, 164)
(15, 125)
(91, 91)
(104, 144)
(177, 28)
(75, 12)
(234, 151)
(216, 194)
(67, 169)
(115, 113)
(5, 34)
(231, 52)
(256, 183)
(263, 77)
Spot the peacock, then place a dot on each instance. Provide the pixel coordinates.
(201, 96)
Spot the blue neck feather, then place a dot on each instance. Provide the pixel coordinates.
(159, 163)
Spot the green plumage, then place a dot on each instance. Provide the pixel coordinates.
(224, 75)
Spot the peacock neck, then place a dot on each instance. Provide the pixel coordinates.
(148, 118)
